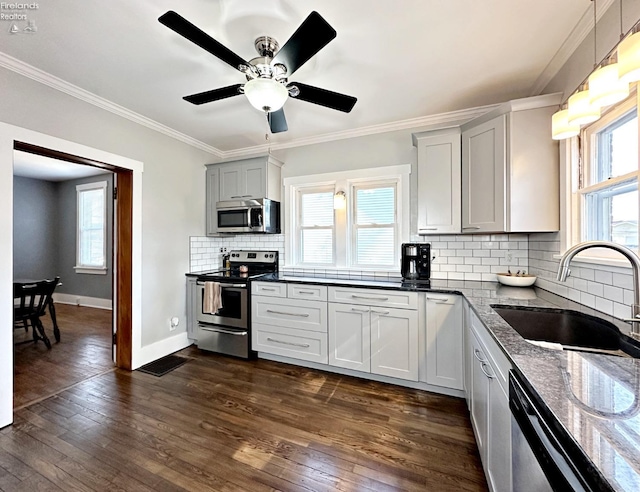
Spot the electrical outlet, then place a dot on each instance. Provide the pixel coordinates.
(223, 250)
(509, 256)
(173, 323)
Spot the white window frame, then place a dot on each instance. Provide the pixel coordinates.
(298, 222)
(573, 219)
(91, 269)
(353, 229)
(346, 181)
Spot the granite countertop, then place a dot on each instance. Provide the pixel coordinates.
(594, 399)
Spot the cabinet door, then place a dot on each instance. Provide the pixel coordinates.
(192, 307)
(439, 184)
(444, 340)
(484, 177)
(479, 397)
(499, 439)
(349, 336)
(254, 177)
(394, 343)
(231, 182)
(213, 193)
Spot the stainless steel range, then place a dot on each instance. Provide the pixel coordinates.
(227, 331)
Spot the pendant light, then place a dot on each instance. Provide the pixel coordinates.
(581, 110)
(605, 87)
(629, 55)
(560, 127)
(605, 84)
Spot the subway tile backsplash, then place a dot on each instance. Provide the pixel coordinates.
(464, 257)
(604, 288)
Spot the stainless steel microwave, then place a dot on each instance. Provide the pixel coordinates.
(259, 216)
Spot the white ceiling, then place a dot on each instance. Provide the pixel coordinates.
(402, 59)
(35, 166)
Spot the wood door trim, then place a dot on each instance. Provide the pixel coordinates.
(123, 235)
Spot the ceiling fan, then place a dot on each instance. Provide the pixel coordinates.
(267, 87)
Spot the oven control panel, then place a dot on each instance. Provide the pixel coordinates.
(253, 256)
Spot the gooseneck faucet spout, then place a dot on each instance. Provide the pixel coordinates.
(563, 273)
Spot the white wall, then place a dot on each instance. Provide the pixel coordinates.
(171, 190)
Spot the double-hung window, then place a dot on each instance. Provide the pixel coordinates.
(608, 177)
(91, 250)
(363, 231)
(315, 225)
(374, 230)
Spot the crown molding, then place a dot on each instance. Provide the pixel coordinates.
(441, 120)
(579, 33)
(54, 82)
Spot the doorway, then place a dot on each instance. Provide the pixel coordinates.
(122, 244)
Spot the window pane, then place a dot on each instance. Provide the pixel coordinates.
(375, 246)
(317, 245)
(92, 253)
(375, 206)
(317, 209)
(612, 214)
(618, 148)
(624, 219)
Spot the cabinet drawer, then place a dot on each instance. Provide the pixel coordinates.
(374, 297)
(493, 352)
(289, 342)
(291, 313)
(307, 292)
(271, 289)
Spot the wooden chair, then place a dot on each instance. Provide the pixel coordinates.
(33, 300)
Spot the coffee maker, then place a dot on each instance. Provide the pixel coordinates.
(416, 261)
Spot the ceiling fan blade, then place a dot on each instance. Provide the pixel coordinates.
(312, 35)
(277, 121)
(187, 30)
(214, 95)
(323, 97)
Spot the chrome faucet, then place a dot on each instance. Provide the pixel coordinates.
(563, 273)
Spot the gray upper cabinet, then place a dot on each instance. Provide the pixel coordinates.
(510, 175)
(258, 177)
(213, 191)
(438, 181)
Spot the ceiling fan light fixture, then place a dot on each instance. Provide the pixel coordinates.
(266, 94)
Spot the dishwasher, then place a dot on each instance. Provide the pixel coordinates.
(540, 462)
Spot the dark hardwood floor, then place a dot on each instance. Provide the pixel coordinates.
(84, 351)
(221, 424)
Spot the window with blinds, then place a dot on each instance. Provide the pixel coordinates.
(374, 227)
(91, 226)
(316, 226)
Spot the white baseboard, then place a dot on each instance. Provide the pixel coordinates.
(160, 349)
(85, 301)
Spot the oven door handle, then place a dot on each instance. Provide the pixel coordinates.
(222, 330)
(226, 286)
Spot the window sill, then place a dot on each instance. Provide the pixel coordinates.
(90, 270)
(598, 261)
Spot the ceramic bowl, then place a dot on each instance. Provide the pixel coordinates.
(516, 280)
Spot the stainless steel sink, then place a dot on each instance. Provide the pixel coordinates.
(571, 329)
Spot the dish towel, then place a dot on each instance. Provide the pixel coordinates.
(212, 301)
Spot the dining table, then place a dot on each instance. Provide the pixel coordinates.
(50, 306)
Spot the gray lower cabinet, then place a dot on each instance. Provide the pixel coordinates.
(444, 340)
(192, 308)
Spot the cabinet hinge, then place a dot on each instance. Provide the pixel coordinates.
(114, 338)
(115, 193)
